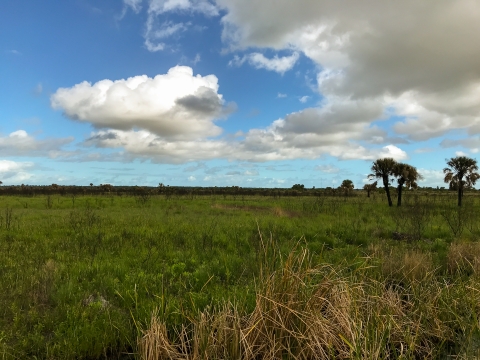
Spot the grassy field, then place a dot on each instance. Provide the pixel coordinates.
(239, 277)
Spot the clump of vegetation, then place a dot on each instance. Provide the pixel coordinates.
(464, 258)
(304, 311)
(299, 187)
(461, 174)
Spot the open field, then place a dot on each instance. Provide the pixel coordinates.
(234, 276)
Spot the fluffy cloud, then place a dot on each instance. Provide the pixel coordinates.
(419, 58)
(175, 105)
(11, 171)
(20, 143)
(259, 61)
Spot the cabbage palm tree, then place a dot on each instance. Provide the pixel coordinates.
(370, 187)
(406, 175)
(383, 169)
(347, 186)
(462, 172)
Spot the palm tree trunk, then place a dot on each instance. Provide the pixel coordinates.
(460, 194)
(387, 190)
(399, 191)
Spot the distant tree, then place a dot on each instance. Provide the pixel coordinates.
(347, 186)
(1, 183)
(383, 169)
(300, 187)
(369, 188)
(461, 174)
(106, 187)
(406, 175)
(91, 184)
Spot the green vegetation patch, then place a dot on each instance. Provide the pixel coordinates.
(104, 276)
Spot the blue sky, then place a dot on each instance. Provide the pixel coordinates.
(234, 92)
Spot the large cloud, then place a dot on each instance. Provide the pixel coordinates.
(175, 105)
(426, 52)
(418, 58)
(336, 129)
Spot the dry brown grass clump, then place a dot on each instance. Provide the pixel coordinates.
(407, 266)
(305, 312)
(464, 257)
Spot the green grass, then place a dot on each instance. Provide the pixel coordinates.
(80, 278)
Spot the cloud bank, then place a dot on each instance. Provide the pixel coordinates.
(170, 119)
(418, 59)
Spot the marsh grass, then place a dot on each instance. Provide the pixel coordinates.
(304, 311)
(272, 276)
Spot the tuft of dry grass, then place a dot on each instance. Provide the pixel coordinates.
(155, 343)
(407, 266)
(464, 257)
(305, 312)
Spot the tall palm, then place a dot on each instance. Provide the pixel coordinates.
(406, 175)
(383, 169)
(462, 172)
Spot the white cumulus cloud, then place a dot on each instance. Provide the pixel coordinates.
(174, 105)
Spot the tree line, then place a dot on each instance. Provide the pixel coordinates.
(461, 174)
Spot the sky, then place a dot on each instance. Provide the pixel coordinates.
(250, 93)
